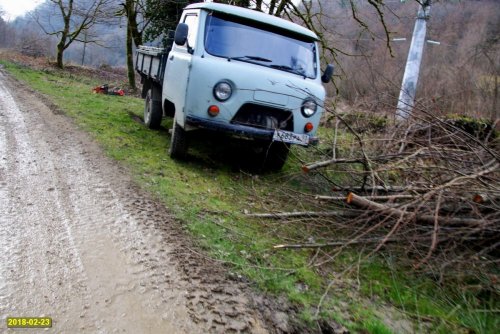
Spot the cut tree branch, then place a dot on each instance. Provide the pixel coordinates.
(304, 214)
(366, 204)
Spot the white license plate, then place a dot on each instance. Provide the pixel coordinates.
(291, 137)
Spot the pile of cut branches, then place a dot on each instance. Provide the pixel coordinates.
(429, 186)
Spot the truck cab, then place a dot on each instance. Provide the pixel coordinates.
(241, 72)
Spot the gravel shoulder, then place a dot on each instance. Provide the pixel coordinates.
(81, 243)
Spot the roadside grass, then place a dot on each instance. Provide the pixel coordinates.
(208, 194)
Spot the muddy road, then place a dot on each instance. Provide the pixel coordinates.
(80, 243)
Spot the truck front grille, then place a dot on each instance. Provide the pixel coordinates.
(264, 117)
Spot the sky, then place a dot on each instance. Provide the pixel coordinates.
(14, 8)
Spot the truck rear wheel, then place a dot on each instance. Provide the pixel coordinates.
(152, 111)
(178, 143)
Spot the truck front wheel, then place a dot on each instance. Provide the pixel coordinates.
(152, 111)
(179, 142)
(273, 155)
(277, 156)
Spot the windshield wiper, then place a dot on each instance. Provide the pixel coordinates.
(256, 58)
(288, 69)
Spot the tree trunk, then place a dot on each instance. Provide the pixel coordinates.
(272, 5)
(130, 60)
(61, 46)
(280, 8)
(60, 54)
(258, 5)
(132, 22)
(494, 110)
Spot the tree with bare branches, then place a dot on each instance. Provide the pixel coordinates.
(489, 48)
(134, 11)
(73, 18)
(3, 28)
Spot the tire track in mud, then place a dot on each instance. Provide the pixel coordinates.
(84, 245)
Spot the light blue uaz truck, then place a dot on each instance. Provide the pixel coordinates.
(240, 72)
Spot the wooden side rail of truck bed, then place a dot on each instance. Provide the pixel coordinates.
(150, 63)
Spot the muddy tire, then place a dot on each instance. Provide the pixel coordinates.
(179, 142)
(275, 155)
(152, 111)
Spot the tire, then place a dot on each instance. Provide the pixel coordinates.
(179, 143)
(275, 155)
(152, 111)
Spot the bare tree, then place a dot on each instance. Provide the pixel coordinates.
(32, 42)
(134, 11)
(3, 28)
(488, 48)
(76, 17)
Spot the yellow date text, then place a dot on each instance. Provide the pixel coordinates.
(29, 322)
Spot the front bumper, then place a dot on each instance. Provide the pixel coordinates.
(236, 130)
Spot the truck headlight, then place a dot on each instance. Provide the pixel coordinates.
(223, 91)
(309, 107)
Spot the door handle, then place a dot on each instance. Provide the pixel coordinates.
(172, 57)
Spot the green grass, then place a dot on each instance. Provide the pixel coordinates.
(208, 196)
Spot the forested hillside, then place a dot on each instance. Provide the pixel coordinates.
(459, 75)
(31, 34)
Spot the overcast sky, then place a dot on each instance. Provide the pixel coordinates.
(14, 8)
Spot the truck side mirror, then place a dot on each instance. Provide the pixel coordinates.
(327, 75)
(181, 34)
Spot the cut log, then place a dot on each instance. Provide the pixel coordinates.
(484, 198)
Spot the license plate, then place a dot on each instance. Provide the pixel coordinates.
(291, 137)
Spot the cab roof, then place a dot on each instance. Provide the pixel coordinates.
(254, 16)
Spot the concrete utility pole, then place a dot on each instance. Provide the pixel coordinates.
(406, 99)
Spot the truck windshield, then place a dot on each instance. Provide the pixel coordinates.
(227, 38)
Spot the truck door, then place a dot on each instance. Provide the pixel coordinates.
(178, 66)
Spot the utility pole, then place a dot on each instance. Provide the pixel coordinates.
(406, 99)
(85, 35)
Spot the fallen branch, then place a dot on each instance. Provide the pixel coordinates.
(384, 189)
(316, 165)
(366, 204)
(331, 244)
(373, 198)
(458, 181)
(383, 158)
(434, 233)
(302, 214)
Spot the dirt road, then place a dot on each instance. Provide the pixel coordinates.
(81, 244)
